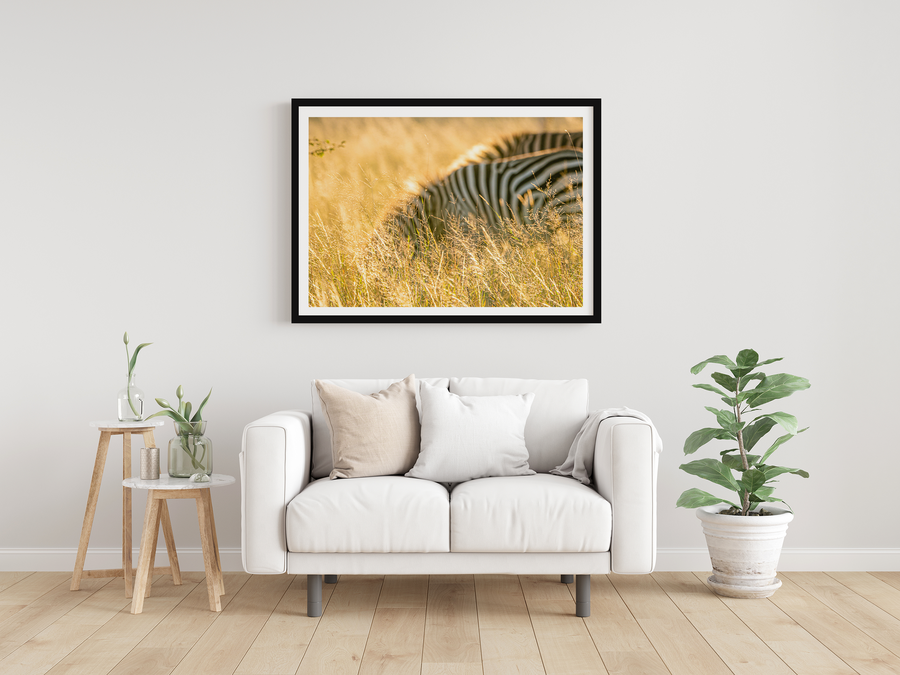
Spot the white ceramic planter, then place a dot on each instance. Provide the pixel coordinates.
(744, 550)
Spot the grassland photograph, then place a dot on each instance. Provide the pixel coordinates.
(446, 212)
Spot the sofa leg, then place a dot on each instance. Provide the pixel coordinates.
(313, 595)
(582, 595)
(331, 578)
(567, 578)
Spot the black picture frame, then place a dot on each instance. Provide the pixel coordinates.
(304, 109)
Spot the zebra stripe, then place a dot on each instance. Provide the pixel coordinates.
(524, 144)
(506, 188)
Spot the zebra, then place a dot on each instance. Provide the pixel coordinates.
(515, 188)
(519, 144)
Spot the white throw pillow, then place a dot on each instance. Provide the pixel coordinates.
(466, 437)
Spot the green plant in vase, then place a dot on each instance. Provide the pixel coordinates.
(190, 452)
(131, 399)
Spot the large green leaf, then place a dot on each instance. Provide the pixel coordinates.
(712, 470)
(703, 436)
(726, 419)
(721, 359)
(749, 378)
(765, 363)
(691, 499)
(774, 387)
(735, 462)
(752, 480)
(172, 414)
(135, 355)
(781, 440)
(788, 422)
(745, 363)
(773, 471)
(725, 381)
(709, 387)
(196, 417)
(759, 428)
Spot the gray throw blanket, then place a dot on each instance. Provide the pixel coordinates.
(580, 462)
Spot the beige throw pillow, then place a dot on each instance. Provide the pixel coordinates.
(372, 435)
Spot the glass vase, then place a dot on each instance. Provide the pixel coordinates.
(190, 451)
(130, 401)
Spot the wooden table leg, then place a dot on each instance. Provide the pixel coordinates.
(209, 556)
(127, 540)
(90, 509)
(170, 543)
(148, 545)
(215, 540)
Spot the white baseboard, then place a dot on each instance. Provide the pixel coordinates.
(667, 559)
(791, 560)
(63, 559)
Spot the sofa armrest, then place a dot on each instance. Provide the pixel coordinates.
(624, 473)
(275, 461)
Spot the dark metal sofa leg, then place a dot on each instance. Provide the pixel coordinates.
(567, 578)
(331, 578)
(582, 595)
(313, 595)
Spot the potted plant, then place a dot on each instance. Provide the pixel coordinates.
(190, 452)
(130, 398)
(744, 540)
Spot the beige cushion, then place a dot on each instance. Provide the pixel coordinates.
(372, 435)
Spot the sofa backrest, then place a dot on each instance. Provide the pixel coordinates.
(559, 409)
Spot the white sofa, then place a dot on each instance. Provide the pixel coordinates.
(297, 520)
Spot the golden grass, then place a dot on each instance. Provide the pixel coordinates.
(358, 260)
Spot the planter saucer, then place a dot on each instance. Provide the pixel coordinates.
(749, 592)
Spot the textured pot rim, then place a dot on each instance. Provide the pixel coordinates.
(710, 514)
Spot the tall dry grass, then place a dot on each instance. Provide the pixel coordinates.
(357, 259)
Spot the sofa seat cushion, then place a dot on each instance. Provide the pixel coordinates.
(378, 514)
(540, 513)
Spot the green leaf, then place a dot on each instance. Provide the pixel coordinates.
(765, 363)
(196, 417)
(781, 440)
(172, 414)
(720, 359)
(709, 387)
(691, 499)
(746, 362)
(788, 422)
(135, 355)
(726, 419)
(187, 411)
(734, 461)
(749, 378)
(759, 428)
(703, 436)
(725, 380)
(712, 470)
(774, 387)
(752, 480)
(773, 471)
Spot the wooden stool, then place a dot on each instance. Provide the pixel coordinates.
(167, 487)
(107, 431)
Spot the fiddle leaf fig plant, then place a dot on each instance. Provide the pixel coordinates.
(749, 475)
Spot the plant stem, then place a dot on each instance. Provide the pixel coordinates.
(745, 496)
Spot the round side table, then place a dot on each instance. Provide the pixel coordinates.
(158, 491)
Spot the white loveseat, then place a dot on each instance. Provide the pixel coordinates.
(297, 520)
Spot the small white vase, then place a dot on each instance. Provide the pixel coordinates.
(744, 550)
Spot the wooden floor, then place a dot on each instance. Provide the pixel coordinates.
(669, 622)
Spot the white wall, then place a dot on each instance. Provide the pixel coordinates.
(750, 199)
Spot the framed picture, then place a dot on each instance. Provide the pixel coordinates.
(479, 211)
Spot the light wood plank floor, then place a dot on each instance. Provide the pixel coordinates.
(665, 623)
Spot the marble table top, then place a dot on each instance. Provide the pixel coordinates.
(167, 482)
(116, 424)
